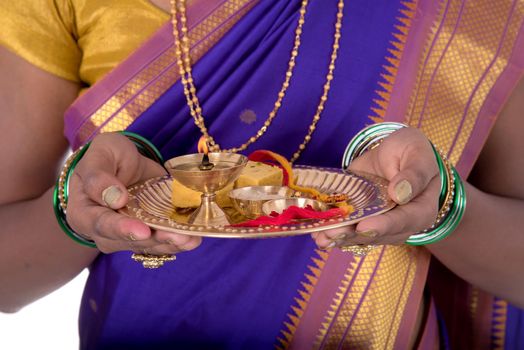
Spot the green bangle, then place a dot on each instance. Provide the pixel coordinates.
(452, 198)
(144, 146)
(61, 218)
(61, 196)
(366, 138)
(450, 222)
(443, 176)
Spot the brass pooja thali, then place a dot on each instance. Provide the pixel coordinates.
(151, 202)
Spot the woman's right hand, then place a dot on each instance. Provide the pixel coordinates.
(98, 187)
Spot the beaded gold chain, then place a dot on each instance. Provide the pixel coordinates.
(178, 7)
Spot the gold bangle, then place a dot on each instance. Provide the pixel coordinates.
(450, 193)
(60, 197)
(62, 179)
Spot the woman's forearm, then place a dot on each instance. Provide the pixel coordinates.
(486, 249)
(36, 257)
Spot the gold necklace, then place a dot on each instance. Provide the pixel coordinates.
(184, 65)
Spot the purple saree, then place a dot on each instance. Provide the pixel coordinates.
(282, 292)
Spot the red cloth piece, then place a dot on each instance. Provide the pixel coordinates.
(289, 215)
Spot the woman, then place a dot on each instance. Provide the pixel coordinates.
(394, 62)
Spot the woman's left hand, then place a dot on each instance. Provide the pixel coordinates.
(406, 160)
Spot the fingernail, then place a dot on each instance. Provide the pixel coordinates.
(341, 237)
(111, 195)
(331, 245)
(368, 234)
(403, 191)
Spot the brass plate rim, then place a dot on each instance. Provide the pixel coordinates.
(378, 185)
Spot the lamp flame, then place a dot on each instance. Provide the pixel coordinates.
(202, 145)
(203, 148)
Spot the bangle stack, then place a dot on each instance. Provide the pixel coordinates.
(61, 195)
(452, 199)
(367, 139)
(61, 192)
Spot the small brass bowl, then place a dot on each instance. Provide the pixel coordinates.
(279, 205)
(248, 200)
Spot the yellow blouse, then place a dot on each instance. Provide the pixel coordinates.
(79, 40)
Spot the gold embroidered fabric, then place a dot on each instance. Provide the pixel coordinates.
(469, 49)
(380, 284)
(160, 74)
(79, 40)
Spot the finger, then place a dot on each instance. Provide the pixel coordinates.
(96, 173)
(396, 225)
(108, 246)
(413, 170)
(183, 242)
(412, 180)
(164, 249)
(109, 166)
(335, 237)
(106, 189)
(191, 244)
(148, 246)
(153, 249)
(323, 242)
(170, 247)
(149, 169)
(99, 222)
(151, 246)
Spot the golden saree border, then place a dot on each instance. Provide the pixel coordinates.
(140, 92)
(368, 308)
(369, 303)
(353, 302)
(470, 49)
(488, 316)
(308, 285)
(468, 53)
(498, 331)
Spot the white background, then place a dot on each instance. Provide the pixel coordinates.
(49, 323)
